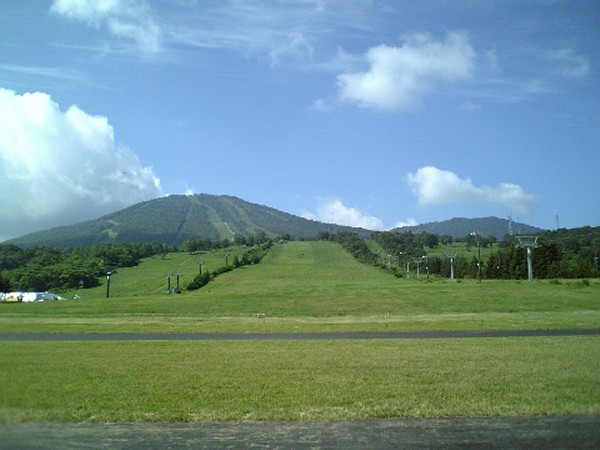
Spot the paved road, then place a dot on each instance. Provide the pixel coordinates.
(293, 336)
(554, 432)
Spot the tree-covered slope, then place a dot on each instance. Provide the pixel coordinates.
(460, 227)
(173, 219)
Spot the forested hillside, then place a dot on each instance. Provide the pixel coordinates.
(460, 226)
(174, 219)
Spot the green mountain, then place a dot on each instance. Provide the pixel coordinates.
(173, 219)
(460, 227)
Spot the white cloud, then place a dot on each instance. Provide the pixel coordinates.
(279, 31)
(62, 167)
(290, 34)
(411, 222)
(125, 19)
(334, 211)
(434, 186)
(399, 77)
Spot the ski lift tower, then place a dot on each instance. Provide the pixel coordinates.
(452, 258)
(528, 242)
(477, 236)
(421, 260)
(417, 261)
(425, 258)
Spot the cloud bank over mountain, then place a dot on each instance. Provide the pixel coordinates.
(434, 186)
(333, 210)
(59, 167)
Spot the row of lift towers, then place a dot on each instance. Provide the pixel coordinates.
(527, 242)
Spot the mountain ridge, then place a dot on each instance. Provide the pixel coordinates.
(459, 227)
(172, 219)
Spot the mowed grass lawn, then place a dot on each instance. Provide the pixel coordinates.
(301, 286)
(306, 286)
(295, 380)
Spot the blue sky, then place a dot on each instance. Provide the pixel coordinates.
(366, 113)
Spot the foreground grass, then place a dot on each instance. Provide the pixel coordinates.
(290, 380)
(300, 286)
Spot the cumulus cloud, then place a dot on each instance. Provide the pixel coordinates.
(62, 167)
(399, 77)
(124, 19)
(434, 186)
(333, 210)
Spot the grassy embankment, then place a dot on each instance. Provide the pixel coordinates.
(301, 287)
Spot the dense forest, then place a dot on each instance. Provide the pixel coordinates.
(42, 268)
(562, 253)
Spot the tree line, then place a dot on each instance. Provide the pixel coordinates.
(572, 253)
(43, 268)
(252, 256)
(560, 254)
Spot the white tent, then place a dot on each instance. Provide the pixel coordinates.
(29, 297)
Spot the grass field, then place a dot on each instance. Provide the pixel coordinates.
(301, 286)
(291, 380)
(306, 286)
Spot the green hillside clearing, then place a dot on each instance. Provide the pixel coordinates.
(305, 286)
(300, 286)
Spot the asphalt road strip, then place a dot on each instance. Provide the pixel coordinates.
(45, 336)
(537, 432)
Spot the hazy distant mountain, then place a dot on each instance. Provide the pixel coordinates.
(173, 219)
(460, 227)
